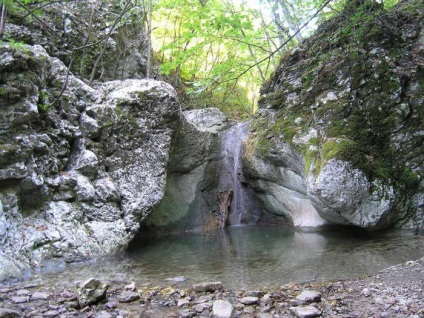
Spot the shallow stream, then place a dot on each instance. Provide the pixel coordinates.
(246, 257)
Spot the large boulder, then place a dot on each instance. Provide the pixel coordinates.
(338, 136)
(80, 167)
(190, 200)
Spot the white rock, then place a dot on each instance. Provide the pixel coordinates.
(222, 309)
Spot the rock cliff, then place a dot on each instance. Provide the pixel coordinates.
(339, 134)
(80, 167)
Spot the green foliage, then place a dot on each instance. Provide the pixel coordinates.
(42, 103)
(209, 45)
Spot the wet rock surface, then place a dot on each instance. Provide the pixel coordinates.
(394, 292)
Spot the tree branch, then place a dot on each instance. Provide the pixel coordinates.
(281, 46)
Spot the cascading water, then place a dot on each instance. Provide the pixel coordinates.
(241, 205)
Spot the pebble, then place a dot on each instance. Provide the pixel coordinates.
(366, 292)
(186, 313)
(103, 314)
(249, 300)
(182, 302)
(19, 299)
(23, 292)
(51, 313)
(127, 296)
(266, 299)
(207, 287)
(305, 311)
(202, 307)
(130, 287)
(40, 296)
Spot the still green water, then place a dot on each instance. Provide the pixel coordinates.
(249, 257)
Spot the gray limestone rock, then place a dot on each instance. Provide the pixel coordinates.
(84, 172)
(91, 292)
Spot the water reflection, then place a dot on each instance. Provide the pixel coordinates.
(250, 257)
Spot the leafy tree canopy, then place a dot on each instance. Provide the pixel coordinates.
(217, 53)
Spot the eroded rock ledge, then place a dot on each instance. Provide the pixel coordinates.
(80, 167)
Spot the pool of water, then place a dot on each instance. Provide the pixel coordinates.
(247, 257)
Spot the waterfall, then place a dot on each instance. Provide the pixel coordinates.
(241, 207)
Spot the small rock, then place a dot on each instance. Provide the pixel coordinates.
(103, 314)
(255, 293)
(265, 315)
(249, 310)
(22, 292)
(266, 299)
(40, 296)
(19, 299)
(111, 305)
(9, 313)
(202, 307)
(51, 313)
(239, 306)
(222, 309)
(128, 296)
(186, 313)
(202, 299)
(309, 296)
(249, 300)
(267, 308)
(71, 304)
(91, 292)
(207, 287)
(182, 302)
(130, 287)
(305, 311)
(366, 292)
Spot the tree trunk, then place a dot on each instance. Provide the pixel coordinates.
(224, 203)
(2, 19)
(149, 38)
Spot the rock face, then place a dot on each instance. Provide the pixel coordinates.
(205, 185)
(338, 137)
(190, 196)
(79, 167)
(105, 48)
